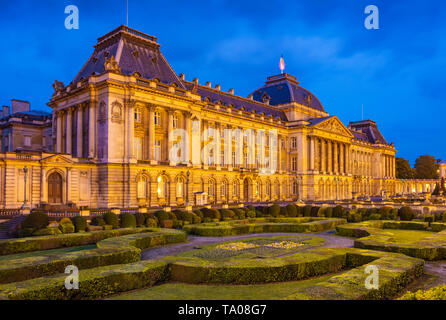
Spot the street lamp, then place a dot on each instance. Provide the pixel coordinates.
(25, 205)
(187, 187)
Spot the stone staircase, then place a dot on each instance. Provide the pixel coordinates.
(8, 225)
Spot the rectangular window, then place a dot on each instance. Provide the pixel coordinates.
(294, 164)
(158, 150)
(27, 141)
(293, 143)
(157, 118)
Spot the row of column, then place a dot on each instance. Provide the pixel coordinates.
(64, 129)
(329, 156)
(388, 166)
(362, 163)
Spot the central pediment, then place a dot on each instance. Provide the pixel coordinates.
(58, 159)
(333, 125)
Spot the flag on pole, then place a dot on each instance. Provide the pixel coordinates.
(282, 64)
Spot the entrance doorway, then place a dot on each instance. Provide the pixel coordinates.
(55, 188)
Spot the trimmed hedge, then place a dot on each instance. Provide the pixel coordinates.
(35, 221)
(112, 219)
(119, 250)
(80, 224)
(98, 221)
(128, 220)
(261, 225)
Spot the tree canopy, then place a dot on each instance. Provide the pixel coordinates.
(426, 167)
(403, 169)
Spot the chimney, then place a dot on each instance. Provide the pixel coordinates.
(231, 91)
(195, 80)
(218, 87)
(209, 84)
(251, 97)
(5, 111)
(19, 106)
(182, 76)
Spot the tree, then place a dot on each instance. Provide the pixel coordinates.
(403, 169)
(426, 167)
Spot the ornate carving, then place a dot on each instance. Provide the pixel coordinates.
(58, 87)
(333, 126)
(116, 112)
(112, 65)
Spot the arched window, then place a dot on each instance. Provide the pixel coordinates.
(235, 188)
(142, 188)
(180, 187)
(211, 188)
(224, 188)
(268, 189)
(162, 187)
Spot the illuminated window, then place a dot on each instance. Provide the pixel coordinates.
(294, 163)
(142, 188)
(211, 188)
(224, 188)
(294, 188)
(268, 189)
(138, 115)
(235, 187)
(27, 141)
(180, 188)
(158, 150)
(157, 118)
(162, 187)
(293, 143)
(175, 121)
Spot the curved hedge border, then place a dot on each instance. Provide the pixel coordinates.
(396, 271)
(22, 245)
(120, 250)
(373, 236)
(263, 225)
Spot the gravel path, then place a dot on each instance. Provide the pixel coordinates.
(331, 240)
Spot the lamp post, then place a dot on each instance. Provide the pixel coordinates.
(187, 188)
(25, 205)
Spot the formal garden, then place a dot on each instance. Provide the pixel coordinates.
(291, 252)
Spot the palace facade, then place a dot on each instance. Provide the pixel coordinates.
(109, 138)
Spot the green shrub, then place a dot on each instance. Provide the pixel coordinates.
(283, 212)
(314, 211)
(65, 220)
(188, 216)
(67, 228)
(354, 216)
(111, 219)
(211, 213)
(250, 207)
(140, 219)
(151, 222)
(251, 214)
(227, 214)
(291, 210)
(257, 214)
(98, 221)
(47, 231)
(274, 210)
(199, 213)
(195, 219)
(329, 212)
(80, 224)
(406, 213)
(321, 212)
(162, 215)
(300, 211)
(307, 211)
(239, 213)
(338, 211)
(443, 216)
(385, 211)
(35, 221)
(375, 216)
(128, 220)
(25, 232)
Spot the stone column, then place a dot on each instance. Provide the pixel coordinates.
(80, 133)
(69, 133)
(151, 133)
(279, 153)
(131, 129)
(188, 138)
(59, 132)
(341, 157)
(347, 159)
(330, 156)
(91, 129)
(335, 158)
(311, 164)
(169, 131)
(323, 156)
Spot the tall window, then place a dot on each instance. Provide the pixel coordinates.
(222, 161)
(158, 150)
(294, 163)
(235, 188)
(142, 188)
(211, 188)
(224, 188)
(233, 159)
(294, 188)
(162, 187)
(180, 188)
(137, 148)
(157, 118)
(268, 189)
(293, 143)
(175, 121)
(138, 115)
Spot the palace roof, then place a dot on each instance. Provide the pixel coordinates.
(284, 88)
(366, 130)
(134, 52)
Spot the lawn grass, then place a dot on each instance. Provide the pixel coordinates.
(181, 291)
(52, 252)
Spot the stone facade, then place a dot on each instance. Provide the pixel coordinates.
(112, 136)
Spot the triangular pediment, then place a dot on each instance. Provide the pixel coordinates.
(334, 125)
(57, 158)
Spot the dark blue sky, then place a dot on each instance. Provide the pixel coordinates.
(397, 72)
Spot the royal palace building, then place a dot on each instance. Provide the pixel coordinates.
(128, 132)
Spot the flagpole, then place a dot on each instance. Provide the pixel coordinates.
(127, 13)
